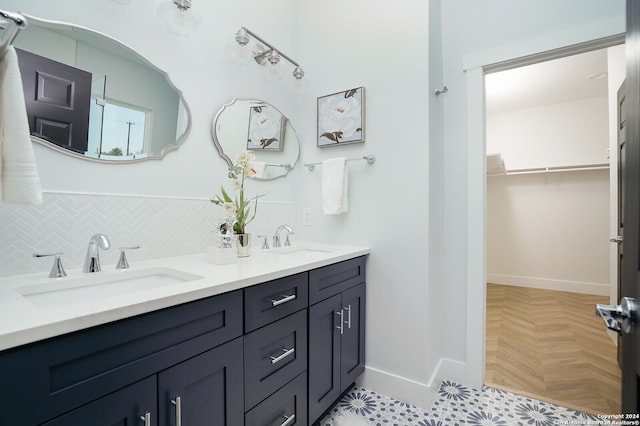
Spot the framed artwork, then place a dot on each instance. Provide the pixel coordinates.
(341, 118)
(266, 128)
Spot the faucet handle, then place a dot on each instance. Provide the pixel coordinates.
(265, 243)
(122, 261)
(57, 271)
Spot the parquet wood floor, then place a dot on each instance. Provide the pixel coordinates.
(550, 345)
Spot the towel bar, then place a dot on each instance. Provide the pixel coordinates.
(15, 22)
(370, 160)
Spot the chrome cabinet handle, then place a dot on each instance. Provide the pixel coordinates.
(284, 299)
(348, 308)
(288, 420)
(286, 353)
(146, 419)
(341, 326)
(178, 403)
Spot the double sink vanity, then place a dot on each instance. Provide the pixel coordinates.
(273, 339)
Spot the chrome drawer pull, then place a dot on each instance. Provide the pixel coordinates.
(287, 352)
(341, 326)
(285, 299)
(146, 419)
(288, 420)
(178, 403)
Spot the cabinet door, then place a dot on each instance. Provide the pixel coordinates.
(204, 390)
(324, 355)
(128, 406)
(352, 344)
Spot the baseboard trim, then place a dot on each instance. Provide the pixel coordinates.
(398, 387)
(448, 369)
(422, 395)
(598, 289)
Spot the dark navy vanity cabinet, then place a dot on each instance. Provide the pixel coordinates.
(336, 332)
(277, 353)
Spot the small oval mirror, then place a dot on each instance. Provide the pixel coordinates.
(252, 124)
(92, 97)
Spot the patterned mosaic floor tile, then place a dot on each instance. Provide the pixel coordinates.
(456, 405)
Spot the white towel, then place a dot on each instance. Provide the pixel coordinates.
(259, 167)
(19, 179)
(495, 164)
(335, 182)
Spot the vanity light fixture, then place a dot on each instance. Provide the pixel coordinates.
(178, 16)
(250, 46)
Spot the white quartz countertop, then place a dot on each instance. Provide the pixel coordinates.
(22, 321)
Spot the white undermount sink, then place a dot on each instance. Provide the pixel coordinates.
(97, 286)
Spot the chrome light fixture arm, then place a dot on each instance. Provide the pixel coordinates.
(266, 51)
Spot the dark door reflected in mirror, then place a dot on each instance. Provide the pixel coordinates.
(92, 97)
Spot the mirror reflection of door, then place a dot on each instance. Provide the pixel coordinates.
(57, 98)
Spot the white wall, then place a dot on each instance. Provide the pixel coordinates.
(197, 65)
(477, 33)
(383, 46)
(549, 232)
(537, 232)
(567, 134)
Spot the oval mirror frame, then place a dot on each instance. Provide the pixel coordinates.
(232, 124)
(114, 46)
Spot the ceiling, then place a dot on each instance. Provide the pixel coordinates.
(561, 80)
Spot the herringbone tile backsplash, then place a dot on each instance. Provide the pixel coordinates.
(162, 226)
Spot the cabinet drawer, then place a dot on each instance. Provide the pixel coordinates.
(333, 279)
(273, 355)
(122, 407)
(288, 406)
(46, 379)
(268, 302)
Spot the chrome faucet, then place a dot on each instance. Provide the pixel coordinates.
(92, 261)
(276, 237)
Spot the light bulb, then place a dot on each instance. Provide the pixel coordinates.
(178, 16)
(275, 71)
(240, 54)
(298, 86)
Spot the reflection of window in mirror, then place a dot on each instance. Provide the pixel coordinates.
(123, 130)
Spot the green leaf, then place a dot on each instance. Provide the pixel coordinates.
(226, 197)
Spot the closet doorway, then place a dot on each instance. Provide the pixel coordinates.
(551, 210)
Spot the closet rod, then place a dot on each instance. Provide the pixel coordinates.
(552, 169)
(15, 22)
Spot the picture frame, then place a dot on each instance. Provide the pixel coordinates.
(266, 128)
(341, 118)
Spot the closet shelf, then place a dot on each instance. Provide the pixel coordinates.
(584, 167)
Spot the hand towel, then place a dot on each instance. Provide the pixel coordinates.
(19, 179)
(259, 167)
(335, 182)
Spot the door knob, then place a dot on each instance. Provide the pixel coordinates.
(619, 318)
(618, 239)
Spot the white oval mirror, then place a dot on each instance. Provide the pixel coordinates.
(92, 97)
(252, 124)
